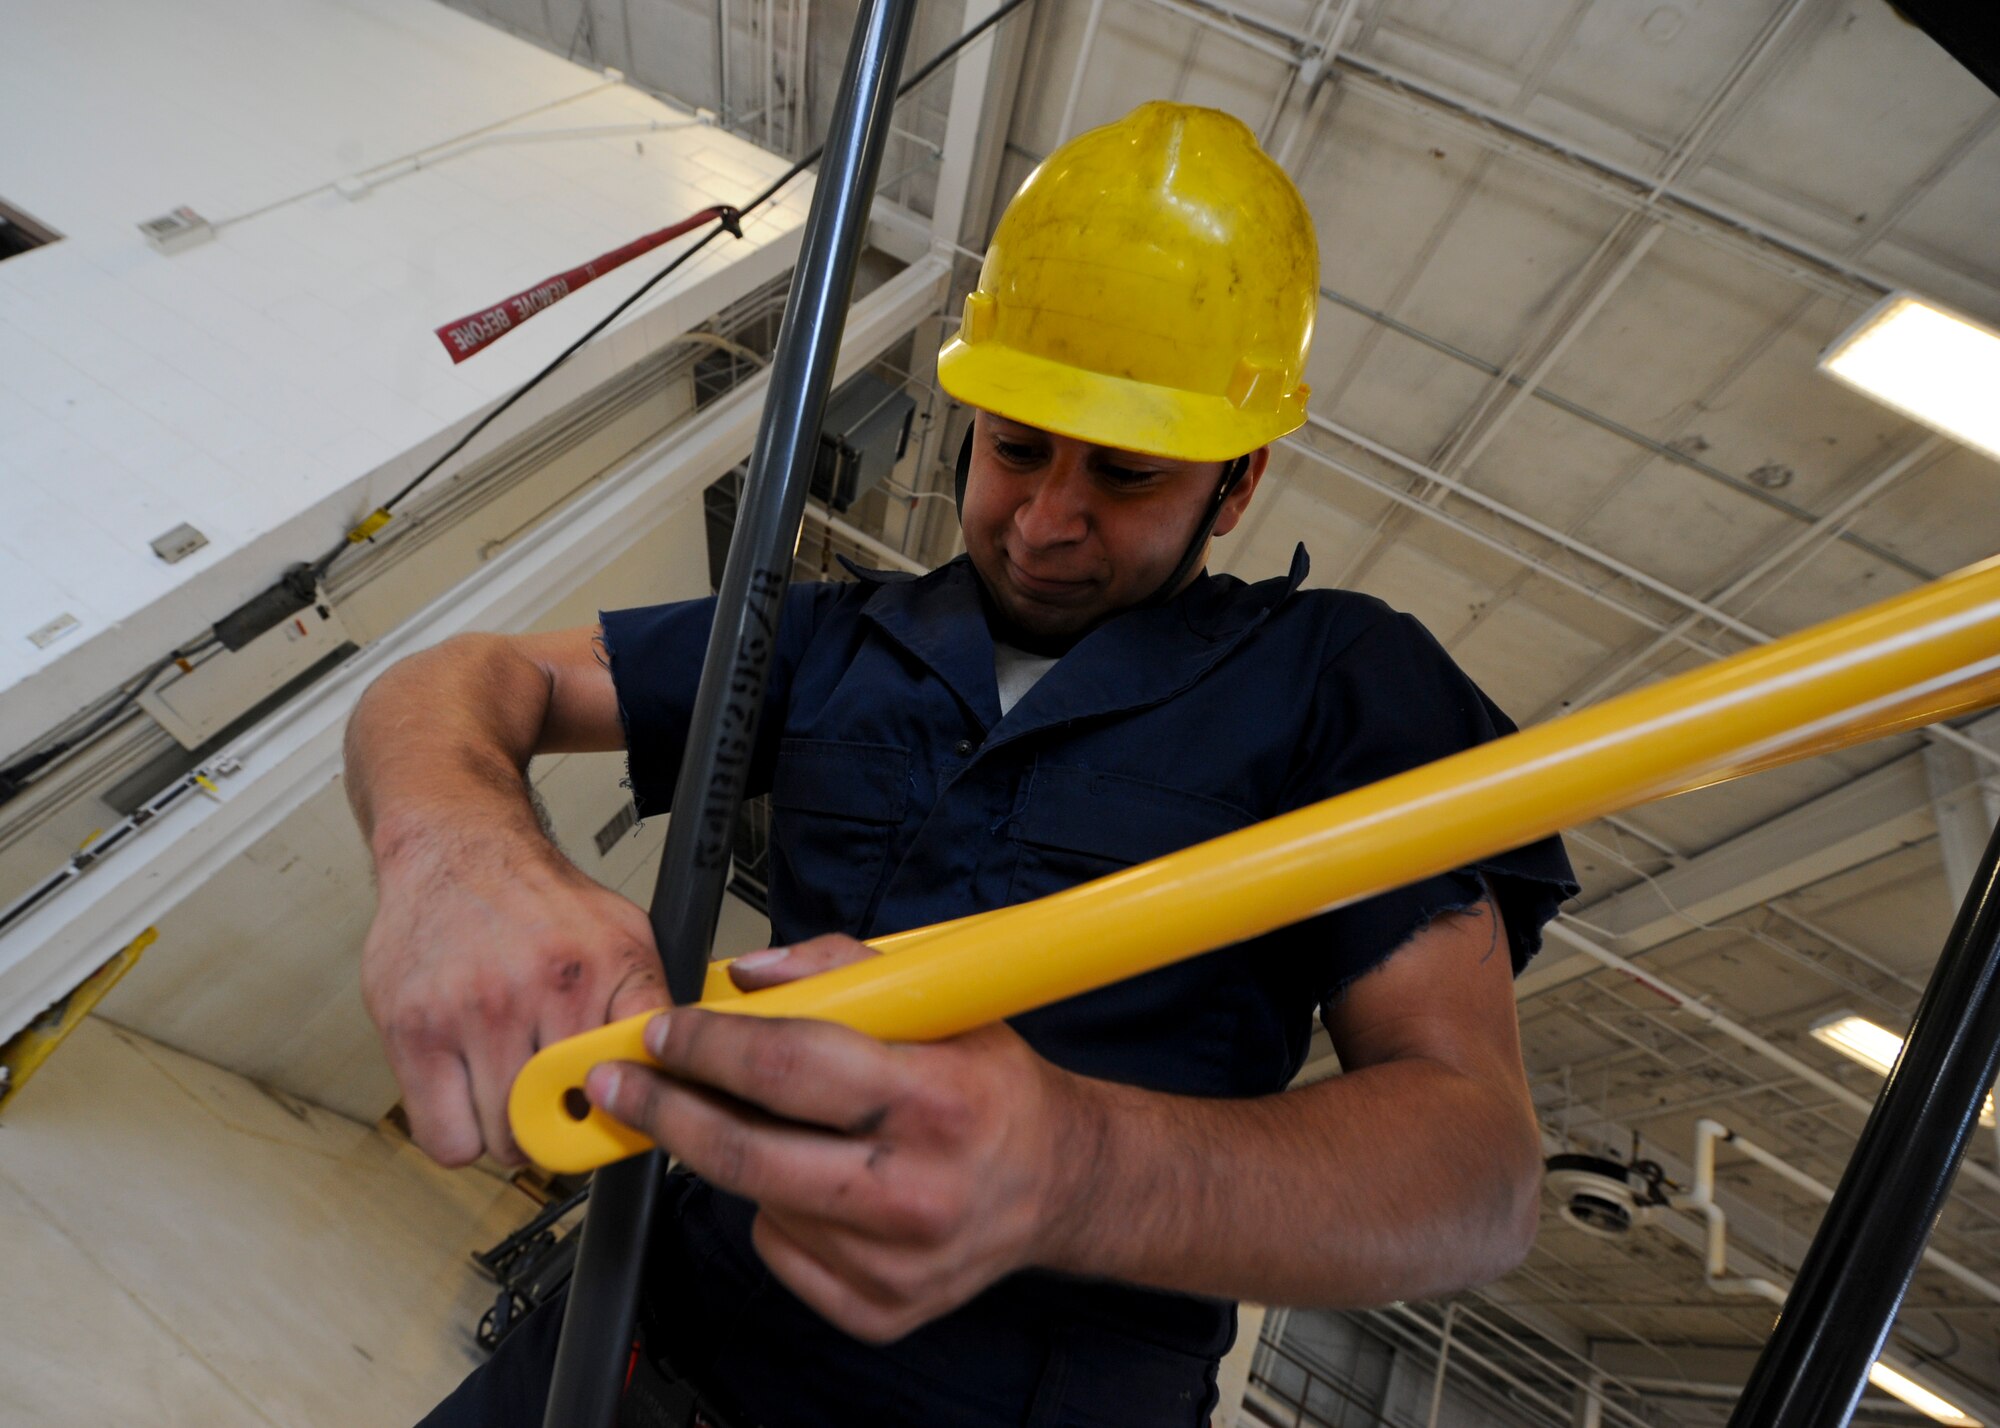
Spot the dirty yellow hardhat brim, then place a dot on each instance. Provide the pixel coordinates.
(1110, 411)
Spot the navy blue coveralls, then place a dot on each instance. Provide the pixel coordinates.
(900, 797)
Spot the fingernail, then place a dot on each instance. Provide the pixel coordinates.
(769, 957)
(602, 1085)
(656, 1035)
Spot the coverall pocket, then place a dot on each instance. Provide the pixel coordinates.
(1077, 824)
(835, 807)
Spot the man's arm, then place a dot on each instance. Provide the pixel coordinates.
(487, 943)
(1413, 1174)
(894, 1182)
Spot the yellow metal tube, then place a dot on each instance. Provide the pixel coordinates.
(1909, 660)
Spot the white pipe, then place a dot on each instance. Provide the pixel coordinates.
(1701, 1199)
(1592, 1415)
(1707, 1132)
(1444, 1358)
(1066, 130)
(1561, 931)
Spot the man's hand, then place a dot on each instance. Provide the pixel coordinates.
(487, 943)
(480, 955)
(893, 1182)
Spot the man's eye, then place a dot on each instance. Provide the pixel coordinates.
(1015, 452)
(1126, 475)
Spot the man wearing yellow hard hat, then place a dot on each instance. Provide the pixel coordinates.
(1046, 1222)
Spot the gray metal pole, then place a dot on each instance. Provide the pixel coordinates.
(604, 1292)
(1839, 1310)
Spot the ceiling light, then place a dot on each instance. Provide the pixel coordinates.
(1876, 1047)
(1933, 366)
(1919, 1397)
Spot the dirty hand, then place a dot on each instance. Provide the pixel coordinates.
(893, 1182)
(477, 958)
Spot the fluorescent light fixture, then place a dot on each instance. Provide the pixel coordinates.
(1933, 366)
(1919, 1397)
(1876, 1047)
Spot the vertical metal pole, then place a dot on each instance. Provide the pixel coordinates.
(1838, 1313)
(1066, 129)
(687, 898)
(722, 61)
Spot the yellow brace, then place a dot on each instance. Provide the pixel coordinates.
(23, 1055)
(1897, 665)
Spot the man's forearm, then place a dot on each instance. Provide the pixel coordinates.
(486, 941)
(1399, 1181)
(444, 738)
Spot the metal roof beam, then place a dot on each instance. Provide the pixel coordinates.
(1859, 821)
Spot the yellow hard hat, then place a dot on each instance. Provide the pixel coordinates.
(1151, 287)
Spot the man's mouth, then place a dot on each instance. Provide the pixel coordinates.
(1045, 585)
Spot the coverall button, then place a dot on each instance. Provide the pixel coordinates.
(962, 748)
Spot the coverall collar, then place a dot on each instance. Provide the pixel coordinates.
(1140, 657)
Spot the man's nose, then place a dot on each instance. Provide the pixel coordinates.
(1057, 511)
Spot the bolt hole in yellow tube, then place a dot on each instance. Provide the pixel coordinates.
(1910, 660)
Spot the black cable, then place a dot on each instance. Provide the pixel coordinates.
(15, 776)
(730, 223)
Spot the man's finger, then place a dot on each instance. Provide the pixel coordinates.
(641, 988)
(811, 1071)
(825, 1292)
(437, 1097)
(737, 1147)
(491, 1062)
(775, 966)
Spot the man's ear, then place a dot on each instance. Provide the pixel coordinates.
(1238, 500)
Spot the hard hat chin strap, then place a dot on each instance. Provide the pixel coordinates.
(1190, 558)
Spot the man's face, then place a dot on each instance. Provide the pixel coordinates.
(1065, 534)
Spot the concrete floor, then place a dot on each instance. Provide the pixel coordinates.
(179, 1246)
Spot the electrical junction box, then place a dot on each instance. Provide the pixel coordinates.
(863, 435)
(196, 704)
(182, 228)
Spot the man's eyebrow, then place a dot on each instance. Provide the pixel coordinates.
(1013, 430)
